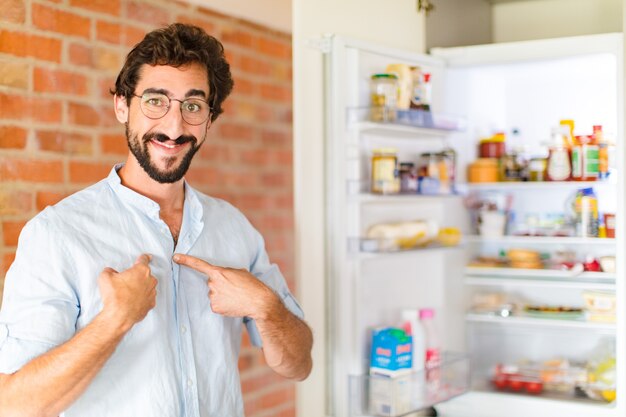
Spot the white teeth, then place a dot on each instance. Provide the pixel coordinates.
(166, 145)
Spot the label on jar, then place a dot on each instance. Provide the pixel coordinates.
(591, 162)
(385, 175)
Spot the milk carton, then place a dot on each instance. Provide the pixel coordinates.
(390, 372)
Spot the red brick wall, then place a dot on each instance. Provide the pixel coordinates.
(58, 133)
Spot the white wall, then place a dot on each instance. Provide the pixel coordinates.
(534, 19)
(393, 23)
(275, 14)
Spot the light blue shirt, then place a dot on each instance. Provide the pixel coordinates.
(181, 360)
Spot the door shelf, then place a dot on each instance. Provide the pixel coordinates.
(376, 247)
(547, 240)
(407, 123)
(525, 321)
(376, 395)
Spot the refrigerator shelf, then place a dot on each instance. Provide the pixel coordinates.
(539, 277)
(540, 282)
(536, 185)
(548, 240)
(527, 321)
(376, 395)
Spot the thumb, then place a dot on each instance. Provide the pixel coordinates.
(144, 258)
(109, 271)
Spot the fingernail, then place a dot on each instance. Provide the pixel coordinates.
(176, 258)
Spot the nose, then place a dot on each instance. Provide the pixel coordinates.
(172, 124)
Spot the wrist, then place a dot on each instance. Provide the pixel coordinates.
(116, 323)
(269, 308)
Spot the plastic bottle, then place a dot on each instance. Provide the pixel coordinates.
(603, 152)
(559, 166)
(412, 326)
(586, 208)
(432, 358)
(432, 346)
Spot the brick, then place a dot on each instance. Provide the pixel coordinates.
(88, 172)
(258, 381)
(64, 142)
(30, 108)
(274, 48)
(22, 44)
(147, 13)
(80, 55)
(274, 92)
(31, 170)
(131, 35)
(108, 32)
(11, 232)
(107, 59)
(105, 85)
(237, 132)
(207, 26)
(275, 138)
(276, 180)
(238, 37)
(111, 7)
(113, 144)
(245, 362)
(83, 115)
(244, 87)
(107, 116)
(240, 179)
(52, 19)
(44, 199)
(257, 157)
(14, 74)
(59, 81)
(7, 260)
(13, 11)
(203, 175)
(274, 398)
(14, 202)
(255, 66)
(12, 137)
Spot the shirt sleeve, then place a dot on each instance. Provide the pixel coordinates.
(272, 277)
(40, 305)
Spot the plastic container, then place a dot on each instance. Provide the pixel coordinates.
(559, 165)
(586, 209)
(483, 170)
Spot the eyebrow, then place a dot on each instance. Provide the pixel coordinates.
(191, 93)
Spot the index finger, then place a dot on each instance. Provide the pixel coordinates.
(144, 258)
(194, 263)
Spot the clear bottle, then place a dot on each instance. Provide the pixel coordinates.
(432, 359)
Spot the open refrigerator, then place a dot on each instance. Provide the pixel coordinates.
(526, 87)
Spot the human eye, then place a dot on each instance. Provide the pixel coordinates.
(155, 100)
(193, 106)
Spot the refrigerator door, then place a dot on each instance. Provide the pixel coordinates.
(367, 289)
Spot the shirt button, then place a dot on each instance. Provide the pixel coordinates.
(183, 329)
(189, 382)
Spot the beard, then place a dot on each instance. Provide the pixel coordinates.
(171, 173)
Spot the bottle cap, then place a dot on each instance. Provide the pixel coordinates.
(427, 313)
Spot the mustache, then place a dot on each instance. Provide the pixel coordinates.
(160, 137)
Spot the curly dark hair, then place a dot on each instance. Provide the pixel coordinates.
(177, 45)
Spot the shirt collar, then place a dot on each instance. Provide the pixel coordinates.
(192, 203)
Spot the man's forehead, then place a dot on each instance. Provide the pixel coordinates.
(175, 79)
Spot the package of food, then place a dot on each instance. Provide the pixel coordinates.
(403, 235)
(600, 306)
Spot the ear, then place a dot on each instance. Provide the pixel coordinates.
(121, 108)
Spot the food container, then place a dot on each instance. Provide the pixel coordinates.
(491, 148)
(600, 306)
(609, 223)
(483, 170)
(537, 169)
(383, 97)
(385, 178)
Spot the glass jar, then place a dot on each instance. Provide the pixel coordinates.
(383, 97)
(385, 178)
(537, 169)
(408, 177)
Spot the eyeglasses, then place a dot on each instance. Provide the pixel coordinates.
(194, 111)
